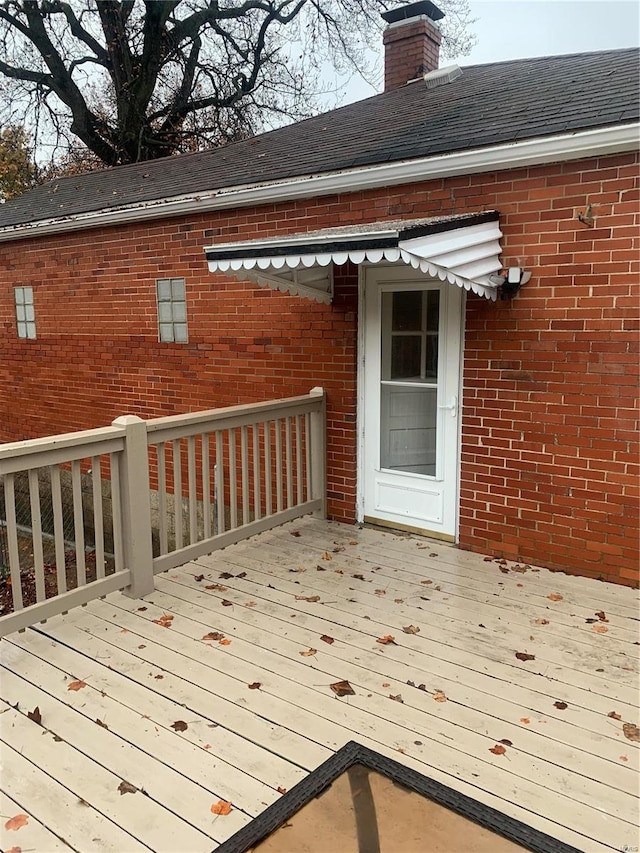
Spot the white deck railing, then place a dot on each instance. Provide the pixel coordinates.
(178, 487)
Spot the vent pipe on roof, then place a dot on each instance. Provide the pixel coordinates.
(411, 43)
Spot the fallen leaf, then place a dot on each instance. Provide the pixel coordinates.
(622, 758)
(601, 615)
(250, 604)
(281, 790)
(141, 608)
(179, 726)
(614, 716)
(294, 533)
(353, 542)
(555, 596)
(426, 583)
(498, 749)
(227, 603)
(124, 630)
(560, 705)
(76, 685)
(206, 746)
(358, 577)
(217, 586)
(142, 646)
(127, 788)
(327, 556)
(222, 807)
(14, 850)
(225, 576)
(326, 639)
(311, 598)
(397, 698)
(165, 620)
(600, 629)
(525, 720)
(439, 696)
(541, 621)
(35, 715)
(387, 640)
(524, 656)
(342, 688)
(17, 822)
(224, 642)
(422, 687)
(158, 677)
(398, 600)
(506, 741)
(256, 685)
(241, 575)
(386, 684)
(308, 653)
(631, 732)
(82, 802)
(411, 629)
(380, 591)
(198, 577)
(101, 724)
(213, 635)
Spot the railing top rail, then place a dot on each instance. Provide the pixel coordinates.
(33, 451)
(159, 429)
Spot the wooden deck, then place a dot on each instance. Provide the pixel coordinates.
(187, 721)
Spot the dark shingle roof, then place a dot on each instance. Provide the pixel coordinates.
(487, 105)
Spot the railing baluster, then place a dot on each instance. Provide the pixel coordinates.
(288, 451)
(193, 492)
(98, 526)
(220, 481)
(12, 541)
(78, 522)
(206, 486)
(161, 459)
(257, 502)
(299, 483)
(116, 512)
(233, 481)
(177, 492)
(36, 534)
(244, 457)
(307, 454)
(268, 497)
(58, 529)
(278, 432)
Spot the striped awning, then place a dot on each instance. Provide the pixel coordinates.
(463, 250)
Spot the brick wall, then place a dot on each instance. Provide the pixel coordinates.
(410, 49)
(549, 457)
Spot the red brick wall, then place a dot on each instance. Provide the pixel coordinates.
(549, 457)
(410, 49)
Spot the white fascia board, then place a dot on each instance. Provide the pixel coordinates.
(529, 152)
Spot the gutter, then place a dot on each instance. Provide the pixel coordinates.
(530, 152)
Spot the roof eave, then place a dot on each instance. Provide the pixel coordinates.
(529, 152)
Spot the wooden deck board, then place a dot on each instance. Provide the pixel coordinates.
(570, 771)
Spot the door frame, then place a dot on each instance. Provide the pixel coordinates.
(360, 405)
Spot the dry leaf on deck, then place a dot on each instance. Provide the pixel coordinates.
(525, 656)
(397, 698)
(506, 741)
(622, 758)
(251, 604)
(387, 640)
(327, 556)
(256, 685)
(614, 716)
(380, 591)
(165, 620)
(14, 850)
(525, 720)
(600, 629)
(198, 578)
(308, 653)
(353, 542)
(439, 696)
(555, 596)
(35, 715)
(17, 822)
(101, 724)
(127, 788)
(631, 732)
(542, 621)
(358, 577)
(76, 685)
(222, 807)
(241, 575)
(294, 533)
(179, 726)
(386, 684)
(213, 635)
(311, 598)
(217, 586)
(411, 629)
(224, 642)
(560, 705)
(227, 603)
(342, 688)
(498, 749)
(601, 615)
(426, 583)
(326, 639)
(225, 576)
(281, 790)
(398, 600)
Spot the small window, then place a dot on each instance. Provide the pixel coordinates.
(172, 310)
(25, 312)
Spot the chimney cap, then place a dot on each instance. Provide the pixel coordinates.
(412, 10)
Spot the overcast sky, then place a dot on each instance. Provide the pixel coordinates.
(513, 29)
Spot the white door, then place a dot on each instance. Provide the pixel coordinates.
(411, 400)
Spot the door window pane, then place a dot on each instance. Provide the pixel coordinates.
(406, 352)
(407, 310)
(408, 429)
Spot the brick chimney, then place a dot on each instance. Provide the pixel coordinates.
(411, 43)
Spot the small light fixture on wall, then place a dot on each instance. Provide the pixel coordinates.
(510, 281)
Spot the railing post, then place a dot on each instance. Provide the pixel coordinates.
(136, 506)
(318, 473)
